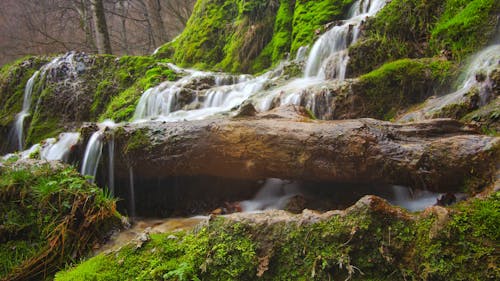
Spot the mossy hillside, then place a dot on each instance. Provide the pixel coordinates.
(141, 73)
(416, 29)
(49, 215)
(13, 78)
(465, 27)
(371, 241)
(311, 16)
(401, 84)
(108, 88)
(250, 36)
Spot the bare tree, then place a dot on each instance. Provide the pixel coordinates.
(100, 27)
(53, 26)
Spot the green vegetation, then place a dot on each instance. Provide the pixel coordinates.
(109, 87)
(400, 84)
(464, 27)
(416, 29)
(250, 36)
(371, 241)
(49, 215)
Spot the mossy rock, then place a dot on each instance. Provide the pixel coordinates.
(369, 241)
(398, 85)
(250, 36)
(417, 29)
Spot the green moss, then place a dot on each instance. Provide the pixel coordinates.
(13, 80)
(48, 216)
(465, 26)
(310, 16)
(250, 36)
(137, 141)
(416, 29)
(367, 243)
(121, 106)
(400, 84)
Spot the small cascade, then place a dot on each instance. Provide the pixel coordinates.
(273, 195)
(164, 99)
(93, 151)
(111, 165)
(60, 150)
(68, 63)
(92, 155)
(475, 76)
(330, 50)
(132, 192)
(19, 122)
(412, 200)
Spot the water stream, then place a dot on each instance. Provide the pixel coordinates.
(475, 76)
(19, 122)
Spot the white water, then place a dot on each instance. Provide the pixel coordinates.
(19, 122)
(50, 149)
(111, 165)
(329, 52)
(132, 192)
(483, 62)
(273, 195)
(332, 46)
(92, 155)
(93, 151)
(60, 150)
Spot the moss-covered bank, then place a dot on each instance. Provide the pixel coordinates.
(416, 29)
(101, 87)
(49, 216)
(13, 78)
(398, 85)
(369, 241)
(250, 36)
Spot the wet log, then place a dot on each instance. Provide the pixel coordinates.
(441, 155)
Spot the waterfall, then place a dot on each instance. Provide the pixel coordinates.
(92, 155)
(132, 192)
(327, 60)
(111, 164)
(60, 150)
(274, 194)
(19, 122)
(481, 64)
(331, 47)
(93, 151)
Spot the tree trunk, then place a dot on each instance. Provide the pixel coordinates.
(440, 155)
(154, 11)
(100, 27)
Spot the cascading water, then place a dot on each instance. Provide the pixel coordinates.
(19, 122)
(72, 67)
(332, 46)
(132, 192)
(61, 149)
(93, 151)
(50, 149)
(111, 164)
(228, 92)
(92, 155)
(482, 64)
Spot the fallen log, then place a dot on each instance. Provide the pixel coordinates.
(440, 155)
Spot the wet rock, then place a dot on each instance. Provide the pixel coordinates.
(246, 110)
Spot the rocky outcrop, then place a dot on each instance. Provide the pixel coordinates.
(439, 155)
(370, 240)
